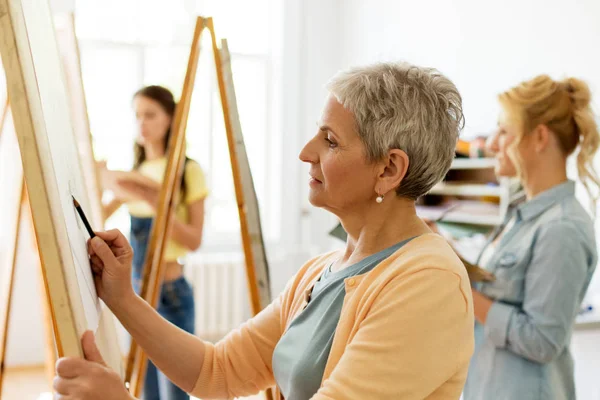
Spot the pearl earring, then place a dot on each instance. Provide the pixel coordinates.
(379, 199)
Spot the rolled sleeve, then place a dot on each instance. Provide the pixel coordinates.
(497, 323)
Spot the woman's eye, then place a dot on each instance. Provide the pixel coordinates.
(332, 144)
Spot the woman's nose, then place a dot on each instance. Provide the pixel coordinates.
(308, 154)
(491, 143)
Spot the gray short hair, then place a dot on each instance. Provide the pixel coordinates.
(402, 106)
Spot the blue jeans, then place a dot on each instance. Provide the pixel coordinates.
(176, 305)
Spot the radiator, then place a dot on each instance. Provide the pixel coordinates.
(220, 292)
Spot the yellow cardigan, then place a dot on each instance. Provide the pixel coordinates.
(405, 332)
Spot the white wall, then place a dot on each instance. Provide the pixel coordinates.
(60, 6)
(484, 47)
(313, 54)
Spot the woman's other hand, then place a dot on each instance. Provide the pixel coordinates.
(481, 306)
(89, 378)
(142, 190)
(111, 256)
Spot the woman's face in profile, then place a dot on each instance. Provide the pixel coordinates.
(152, 120)
(341, 178)
(500, 144)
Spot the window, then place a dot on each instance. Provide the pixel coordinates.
(125, 45)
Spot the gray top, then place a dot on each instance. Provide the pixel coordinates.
(543, 266)
(301, 354)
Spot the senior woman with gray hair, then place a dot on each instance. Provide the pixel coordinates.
(388, 317)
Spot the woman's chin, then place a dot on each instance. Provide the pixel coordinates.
(502, 171)
(315, 199)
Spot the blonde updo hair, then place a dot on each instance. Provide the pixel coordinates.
(564, 107)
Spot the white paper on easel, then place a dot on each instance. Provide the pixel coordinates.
(67, 170)
(261, 266)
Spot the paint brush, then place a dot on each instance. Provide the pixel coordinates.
(83, 218)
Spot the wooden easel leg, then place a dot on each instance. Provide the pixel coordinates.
(154, 267)
(256, 266)
(8, 290)
(48, 334)
(130, 364)
(140, 375)
(50, 347)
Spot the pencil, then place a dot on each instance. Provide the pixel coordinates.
(83, 218)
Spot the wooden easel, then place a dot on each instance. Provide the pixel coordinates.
(253, 245)
(23, 211)
(53, 321)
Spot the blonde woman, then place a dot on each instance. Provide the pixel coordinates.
(388, 317)
(544, 255)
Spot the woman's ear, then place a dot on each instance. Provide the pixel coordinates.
(541, 137)
(394, 170)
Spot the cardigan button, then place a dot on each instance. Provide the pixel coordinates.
(351, 282)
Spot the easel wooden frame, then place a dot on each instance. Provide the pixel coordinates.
(71, 62)
(25, 102)
(252, 240)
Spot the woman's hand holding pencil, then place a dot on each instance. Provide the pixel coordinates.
(111, 256)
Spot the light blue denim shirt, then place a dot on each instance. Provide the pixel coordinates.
(543, 266)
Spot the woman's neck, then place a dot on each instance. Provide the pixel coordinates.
(379, 227)
(544, 178)
(154, 151)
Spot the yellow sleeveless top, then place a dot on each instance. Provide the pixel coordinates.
(195, 189)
